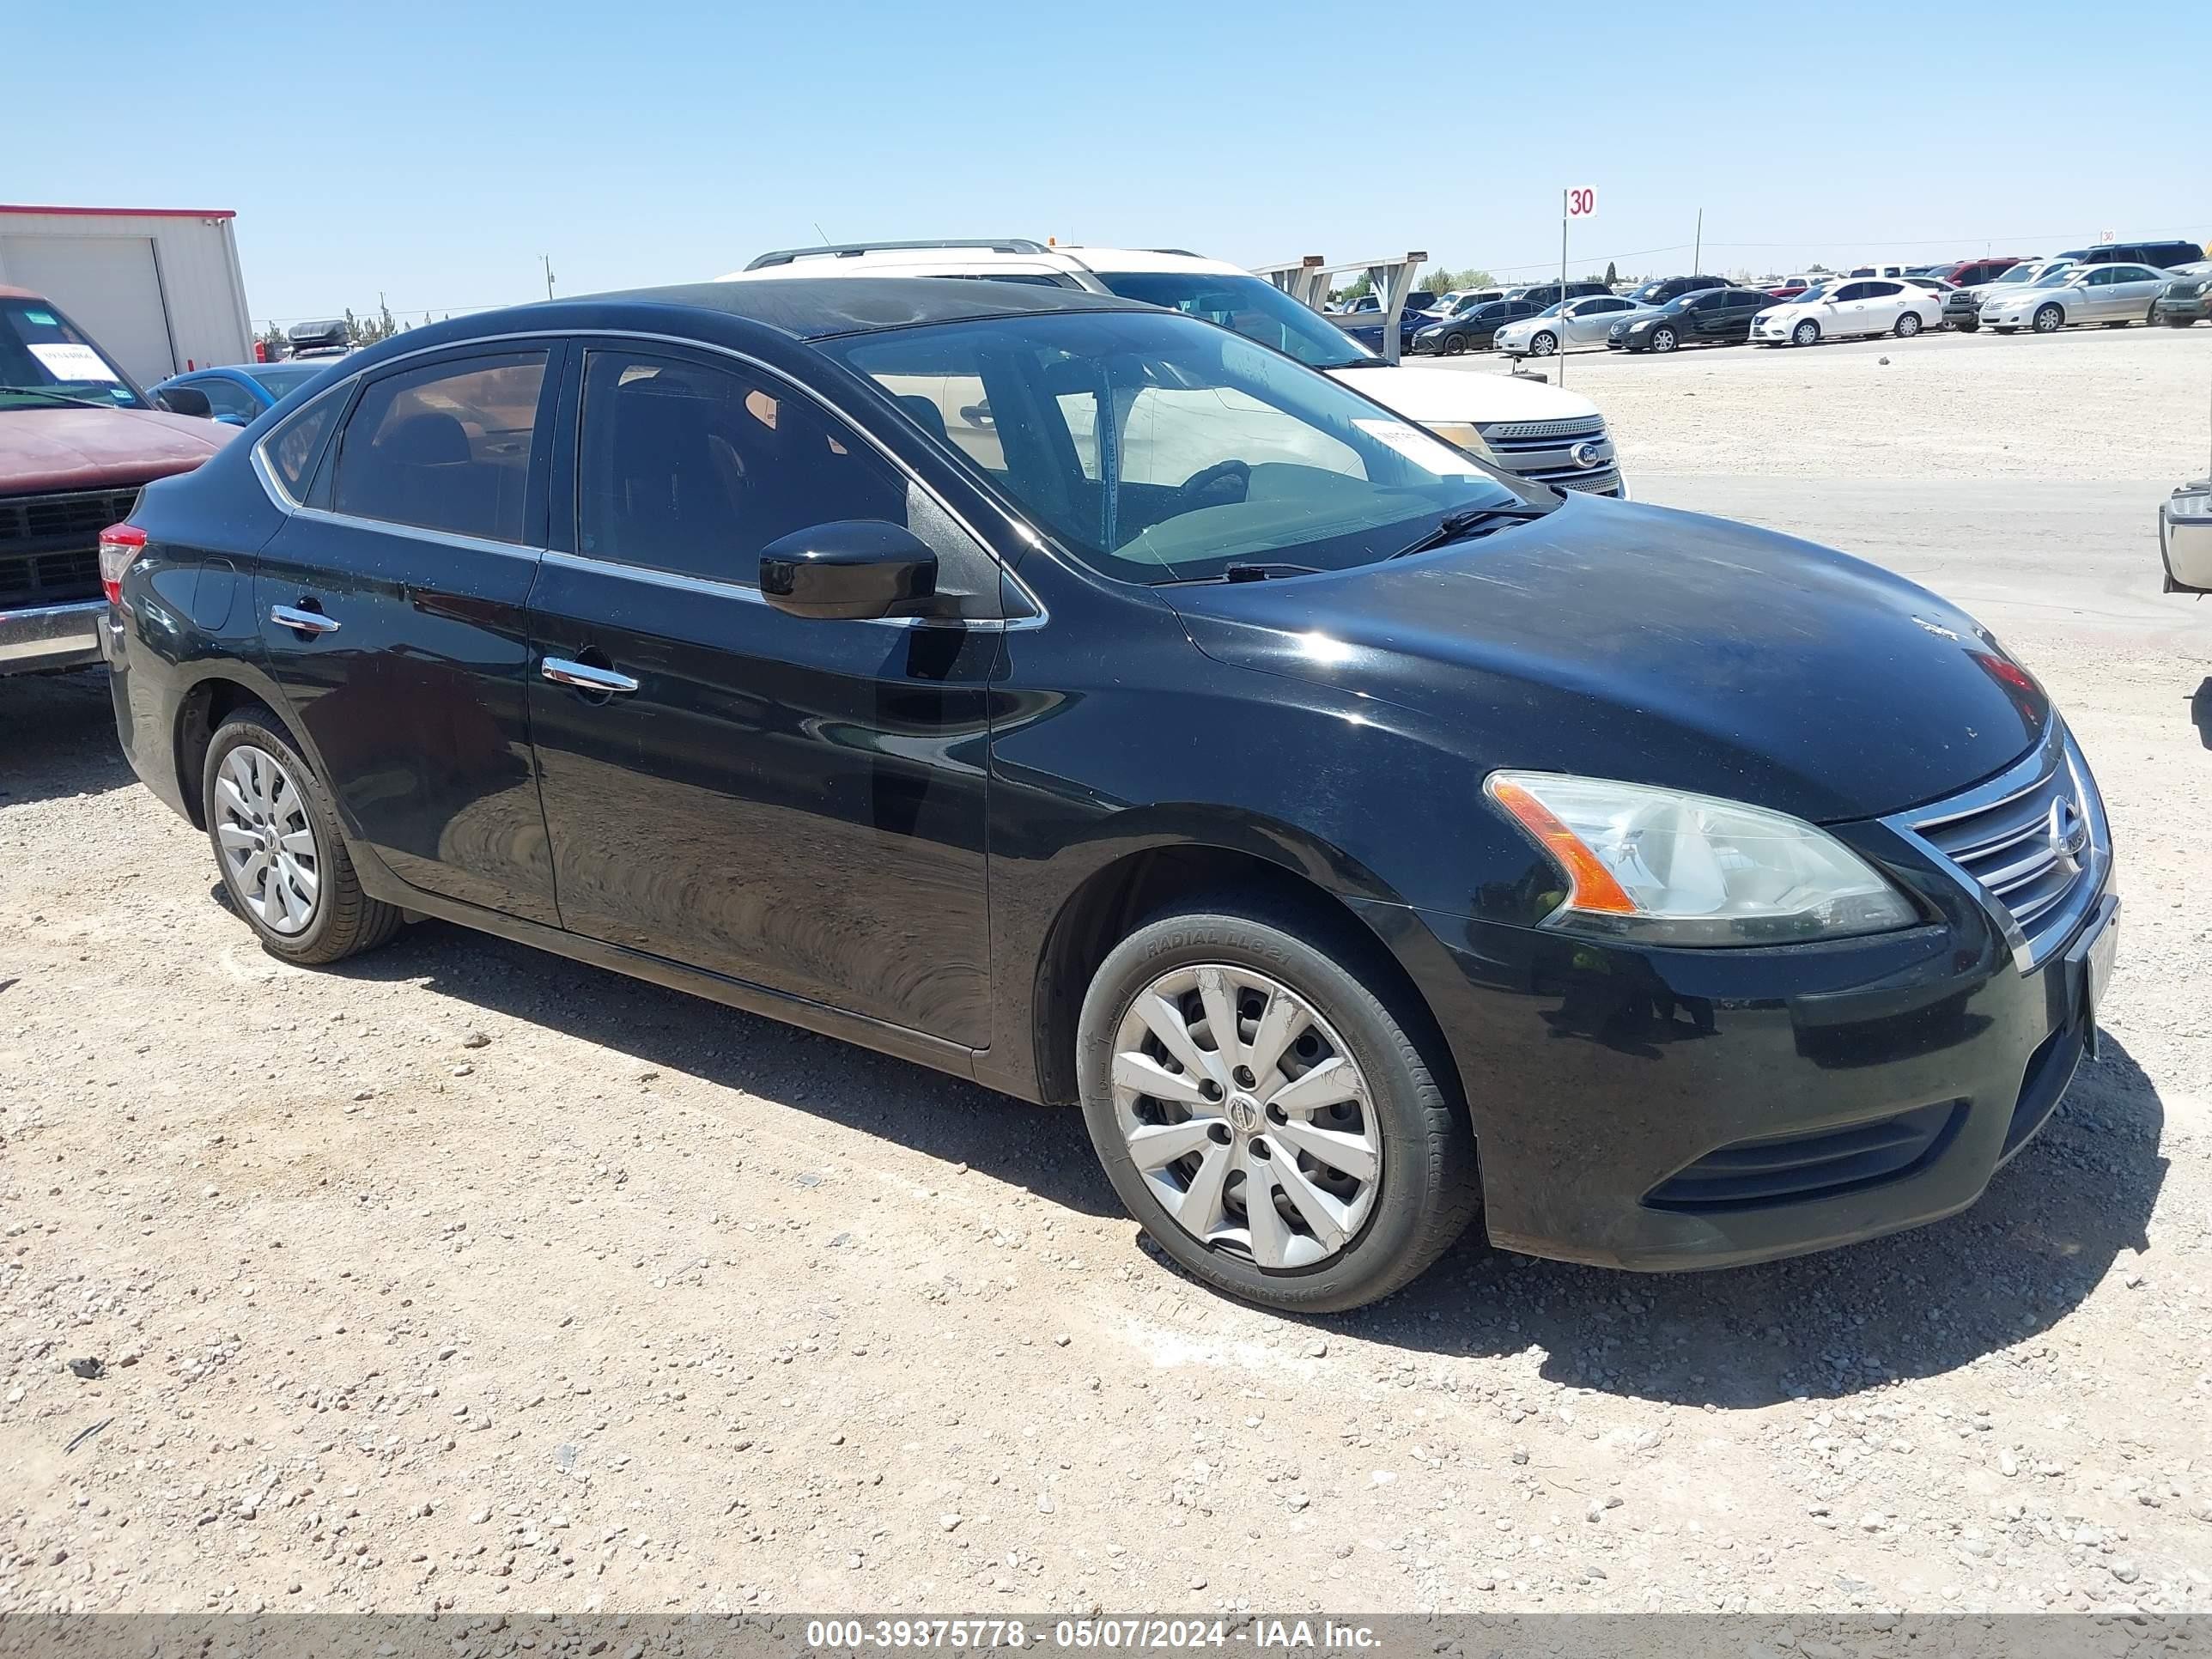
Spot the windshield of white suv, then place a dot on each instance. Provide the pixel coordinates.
(1257, 310)
(1157, 449)
(46, 364)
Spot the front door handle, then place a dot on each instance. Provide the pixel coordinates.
(304, 622)
(584, 676)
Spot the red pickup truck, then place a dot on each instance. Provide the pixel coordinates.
(78, 437)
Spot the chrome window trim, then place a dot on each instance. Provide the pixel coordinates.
(2057, 748)
(285, 503)
(265, 469)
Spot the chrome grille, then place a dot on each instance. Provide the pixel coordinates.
(2033, 839)
(1543, 451)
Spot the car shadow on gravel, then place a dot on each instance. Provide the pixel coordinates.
(1042, 1149)
(58, 737)
(2200, 713)
(1913, 1305)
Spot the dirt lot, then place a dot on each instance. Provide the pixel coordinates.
(466, 1277)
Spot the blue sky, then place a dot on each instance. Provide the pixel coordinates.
(432, 152)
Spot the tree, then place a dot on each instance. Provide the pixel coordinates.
(1611, 276)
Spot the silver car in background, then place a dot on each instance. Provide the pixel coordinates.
(2113, 295)
(1572, 322)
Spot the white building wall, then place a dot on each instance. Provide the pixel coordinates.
(197, 285)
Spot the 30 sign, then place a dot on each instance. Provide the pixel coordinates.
(1581, 202)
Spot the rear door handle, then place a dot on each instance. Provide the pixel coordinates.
(305, 622)
(584, 676)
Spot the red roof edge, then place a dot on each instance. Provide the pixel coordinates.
(130, 213)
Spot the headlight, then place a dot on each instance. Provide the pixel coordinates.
(1663, 867)
(1463, 435)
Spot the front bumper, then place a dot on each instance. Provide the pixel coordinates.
(1661, 1109)
(51, 636)
(2184, 538)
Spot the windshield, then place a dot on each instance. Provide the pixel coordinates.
(279, 380)
(2019, 273)
(1157, 450)
(1257, 310)
(1553, 310)
(1467, 302)
(2056, 276)
(44, 363)
(1813, 295)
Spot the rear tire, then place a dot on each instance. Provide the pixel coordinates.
(276, 842)
(1377, 1229)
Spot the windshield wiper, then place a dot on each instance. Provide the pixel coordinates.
(59, 397)
(1454, 526)
(1245, 572)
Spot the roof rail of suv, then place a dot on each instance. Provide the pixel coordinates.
(854, 249)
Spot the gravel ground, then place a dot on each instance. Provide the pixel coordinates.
(463, 1277)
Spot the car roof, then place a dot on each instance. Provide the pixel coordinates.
(802, 310)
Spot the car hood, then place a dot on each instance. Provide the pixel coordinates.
(1426, 392)
(1621, 641)
(70, 448)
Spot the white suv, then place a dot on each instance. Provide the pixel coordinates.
(1541, 432)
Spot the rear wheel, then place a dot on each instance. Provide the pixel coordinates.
(1908, 324)
(2049, 319)
(1543, 344)
(276, 841)
(1455, 346)
(1663, 339)
(1264, 1113)
(1806, 333)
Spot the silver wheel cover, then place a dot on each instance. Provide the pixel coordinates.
(1246, 1115)
(268, 839)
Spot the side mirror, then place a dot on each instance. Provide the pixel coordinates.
(848, 570)
(188, 400)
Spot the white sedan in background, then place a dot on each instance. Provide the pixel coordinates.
(1847, 310)
(1574, 322)
(2113, 295)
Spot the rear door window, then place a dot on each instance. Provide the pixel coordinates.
(446, 447)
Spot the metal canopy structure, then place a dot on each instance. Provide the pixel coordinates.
(1306, 280)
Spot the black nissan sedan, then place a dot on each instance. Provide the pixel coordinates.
(1080, 698)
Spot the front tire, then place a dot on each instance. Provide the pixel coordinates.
(284, 864)
(1309, 1163)
(1662, 339)
(1806, 333)
(1543, 344)
(1908, 324)
(2049, 319)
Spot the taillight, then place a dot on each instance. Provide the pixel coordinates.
(119, 544)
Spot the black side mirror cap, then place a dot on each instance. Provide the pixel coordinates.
(849, 570)
(188, 400)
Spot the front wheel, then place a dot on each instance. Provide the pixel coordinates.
(1662, 339)
(1806, 333)
(1543, 344)
(284, 865)
(1264, 1113)
(2050, 319)
(1455, 346)
(1908, 324)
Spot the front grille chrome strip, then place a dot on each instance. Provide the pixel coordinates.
(2032, 844)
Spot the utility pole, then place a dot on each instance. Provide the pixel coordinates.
(1563, 287)
(546, 259)
(1698, 248)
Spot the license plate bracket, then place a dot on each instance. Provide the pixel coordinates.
(2089, 965)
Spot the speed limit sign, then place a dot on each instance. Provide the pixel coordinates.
(1581, 202)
